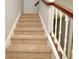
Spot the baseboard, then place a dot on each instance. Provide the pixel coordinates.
(50, 43)
(8, 41)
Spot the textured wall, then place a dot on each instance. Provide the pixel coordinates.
(66, 3)
(29, 6)
(12, 8)
(44, 10)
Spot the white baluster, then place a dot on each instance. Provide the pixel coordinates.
(56, 21)
(59, 39)
(60, 15)
(52, 19)
(66, 31)
(70, 39)
(56, 14)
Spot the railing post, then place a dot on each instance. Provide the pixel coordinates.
(60, 15)
(70, 39)
(56, 17)
(59, 39)
(52, 19)
(66, 32)
(56, 21)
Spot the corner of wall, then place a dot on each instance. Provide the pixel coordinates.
(8, 40)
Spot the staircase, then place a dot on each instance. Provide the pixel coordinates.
(29, 40)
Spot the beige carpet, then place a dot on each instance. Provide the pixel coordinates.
(29, 40)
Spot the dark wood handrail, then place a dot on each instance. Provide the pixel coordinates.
(60, 7)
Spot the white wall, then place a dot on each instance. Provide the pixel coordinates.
(29, 6)
(44, 12)
(12, 8)
(66, 3)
